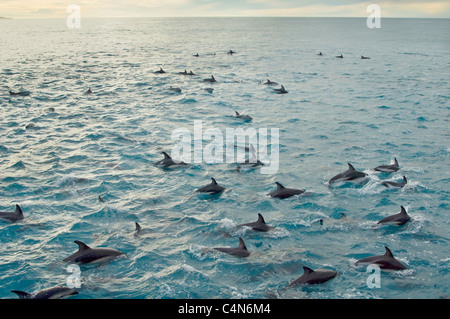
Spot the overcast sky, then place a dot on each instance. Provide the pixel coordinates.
(239, 8)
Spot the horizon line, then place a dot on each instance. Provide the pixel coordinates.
(212, 16)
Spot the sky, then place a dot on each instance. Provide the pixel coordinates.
(21, 9)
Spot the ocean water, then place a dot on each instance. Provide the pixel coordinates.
(337, 111)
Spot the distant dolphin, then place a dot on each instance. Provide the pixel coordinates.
(320, 53)
(259, 225)
(167, 161)
(243, 116)
(231, 52)
(268, 82)
(281, 90)
(196, 55)
(364, 57)
(350, 175)
(312, 277)
(212, 188)
(240, 251)
(211, 80)
(22, 93)
(395, 184)
(386, 261)
(388, 168)
(89, 91)
(12, 216)
(178, 90)
(49, 293)
(283, 192)
(397, 219)
(184, 73)
(340, 56)
(250, 163)
(160, 70)
(88, 255)
(139, 231)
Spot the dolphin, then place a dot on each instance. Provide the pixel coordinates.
(191, 73)
(240, 251)
(12, 216)
(88, 255)
(396, 219)
(89, 91)
(196, 55)
(284, 192)
(386, 261)
(56, 292)
(22, 93)
(313, 277)
(212, 188)
(139, 231)
(250, 163)
(184, 73)
(231, 52)
(388, 168)
(160, 70)
(349, 175)
(178, 90)
(211, 80)
(167, 161)
(395, 184)
(243, 116)
(268, 82)
(340, 56)
(364, 57)
(30, 125)
(259, 225)
(281, 90)
(320, 53)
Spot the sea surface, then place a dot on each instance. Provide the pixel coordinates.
(84, 168)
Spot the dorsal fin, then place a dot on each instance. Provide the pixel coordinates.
(237, 114)
(138, 227)
(350, 167)
(261, 218)
(242, 244)
(166, 155)
(19, 211)
(307, 270)
(21, 294)
(395, 161)
(388, 252)
(402, 210)
(404, 179)
(81, 245)
(213, 181)
(279, 186)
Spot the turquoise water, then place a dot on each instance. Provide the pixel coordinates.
(365, 112)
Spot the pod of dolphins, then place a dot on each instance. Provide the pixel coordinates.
(90, 255)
